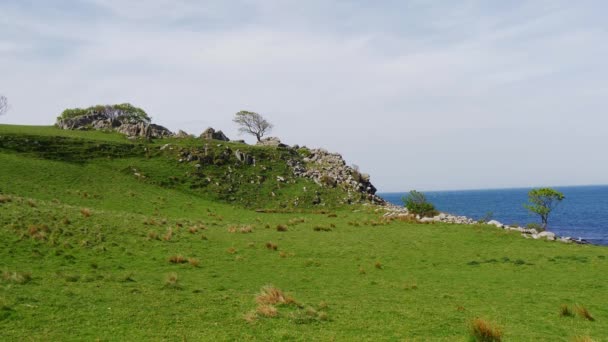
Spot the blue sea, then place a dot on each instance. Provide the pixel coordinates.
(583, 213)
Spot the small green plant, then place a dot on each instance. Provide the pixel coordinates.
(416, 203)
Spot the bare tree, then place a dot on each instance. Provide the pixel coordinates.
(252, 123)
(3, 104)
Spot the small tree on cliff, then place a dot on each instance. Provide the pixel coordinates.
(416, 203)
(3, 104)
(542, 202)
(252, 123)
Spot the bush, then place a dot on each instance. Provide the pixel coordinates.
(124, 112)
(416, 203)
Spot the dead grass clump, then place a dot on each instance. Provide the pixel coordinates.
(38, 232)
(332, 215)
(321, 229)
(250, 317)
(282, 254)
(296, 221)
(20, 278)
(378, 265)
(172, 282)
(169, 235)
(85, 212)
(362, 270)
(31, 203)
(267, 311)
(177, 259)
(192, 230)
(231, 250)
(584, 313)
(270, 295)
(5, 199)
(271, 246)
(232, 229)
(66, 221)
(484, 331)
(246, 229)
(564, 311)
(204, 237)
(194, 262)
(281, 228)
(153, 236)
(582, 339)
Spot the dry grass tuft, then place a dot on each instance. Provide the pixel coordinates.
(271, 246)
(584, 313)
(31, 203)
(5, 199)
(192, 230)
(282, 254)
(484, 331)
(232, 229)
(169, 235)
(378, 265)
(321, 229)
(564, 311)
(246, 229)
(362, 270)
(85, 212)
(172, 282)
(250, 317)
(20, 278)
(231, 250)
(177, 259)
(153, 236)
(267, 311)
(281, 228)
(332, 215)
(582, 339)
(270, 295)
(194, 262)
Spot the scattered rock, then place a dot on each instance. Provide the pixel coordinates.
(271, 141)
(211, 134)
(182, 134)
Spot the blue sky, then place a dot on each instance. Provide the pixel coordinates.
(420, 94)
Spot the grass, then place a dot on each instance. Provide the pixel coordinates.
(484, 331)
(107, 276)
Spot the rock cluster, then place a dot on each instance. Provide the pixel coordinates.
(529, 233)
(100, 121)
(271, 141)
(212, 134)
(330, 170)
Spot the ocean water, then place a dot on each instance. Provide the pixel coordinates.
(583, 213)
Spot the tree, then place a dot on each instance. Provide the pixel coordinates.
(252, 123)
(416, 203)
(542, 202)
(3, 104)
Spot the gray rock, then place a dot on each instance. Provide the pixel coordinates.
(211, 134)
(271, 141)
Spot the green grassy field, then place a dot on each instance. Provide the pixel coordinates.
(86, 251)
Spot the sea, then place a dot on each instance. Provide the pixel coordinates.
(582, 214)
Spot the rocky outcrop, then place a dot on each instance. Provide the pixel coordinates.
(182, 134)
(330, 170)
(143, 130)
(212, 134)
(271, 141)
(100, 121)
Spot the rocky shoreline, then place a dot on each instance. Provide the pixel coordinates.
(393, 211)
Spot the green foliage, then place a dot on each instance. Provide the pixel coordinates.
(124, 112)
(416, 203)
(542, 202)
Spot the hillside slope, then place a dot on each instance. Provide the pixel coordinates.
(99, 242)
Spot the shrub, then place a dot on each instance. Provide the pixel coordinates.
(125, 112)
(484, 331)
(417, 203)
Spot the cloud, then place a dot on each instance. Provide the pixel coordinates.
(428, 96)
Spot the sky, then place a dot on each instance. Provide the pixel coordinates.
(427, 95)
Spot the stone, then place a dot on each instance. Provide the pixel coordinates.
(211, 134)
(244, 158)
(495, 223)
(182, 134)
(546, 235)
(271, 141)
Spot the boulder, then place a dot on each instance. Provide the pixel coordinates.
(271, 141)
(546, 235)
(212, 134)
(244, 158)
(182, 134)
(495, 223)
(144, 130)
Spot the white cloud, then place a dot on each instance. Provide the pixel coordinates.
(442, 96)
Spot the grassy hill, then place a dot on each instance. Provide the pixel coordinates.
(103, 238)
